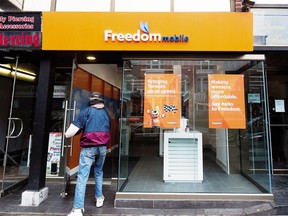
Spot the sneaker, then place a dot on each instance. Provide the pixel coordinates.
(76, 212)
(99, 202)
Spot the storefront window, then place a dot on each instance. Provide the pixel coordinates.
(142, 6)
(269, 26)
(202, 6)
(194, 126)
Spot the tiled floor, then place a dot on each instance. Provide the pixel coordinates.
(147, 176)
(57, 205)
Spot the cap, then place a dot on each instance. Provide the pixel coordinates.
(96, 96)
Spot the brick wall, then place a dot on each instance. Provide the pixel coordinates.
(238, 5)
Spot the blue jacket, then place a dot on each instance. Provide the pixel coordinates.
(95, 125)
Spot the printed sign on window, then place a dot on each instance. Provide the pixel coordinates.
(54, 152)
(226, 101)
(279, 106)
(162, 102)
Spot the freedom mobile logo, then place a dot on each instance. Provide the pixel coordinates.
(143, 35)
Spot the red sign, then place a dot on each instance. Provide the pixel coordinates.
(20, 30)
(20, 39)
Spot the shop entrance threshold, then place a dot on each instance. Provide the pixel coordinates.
(190, 200)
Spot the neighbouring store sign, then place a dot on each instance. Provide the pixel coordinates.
(226, 101)
(253, 98)
(162, 102)
(20, 31)
(59, 91)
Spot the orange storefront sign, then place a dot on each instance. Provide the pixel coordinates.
(166, 31)
(226, 101)
(162, 102)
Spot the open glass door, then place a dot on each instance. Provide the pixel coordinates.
(17, 86)
(71, 145)
(86, 79)
(67, 161)
(60, 150)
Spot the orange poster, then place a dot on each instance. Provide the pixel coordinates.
(162, 102)
(226, 101)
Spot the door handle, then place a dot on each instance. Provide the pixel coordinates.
(73, 116)
(65, 125)
(12, 129)
(14, 126)
(64, 128)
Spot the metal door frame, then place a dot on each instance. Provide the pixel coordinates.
(11, 134)
(65, 144)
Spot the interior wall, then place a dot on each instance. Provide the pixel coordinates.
(107, 72)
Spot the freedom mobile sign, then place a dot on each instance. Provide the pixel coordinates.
(148, 31)
(226, 101)
(20, 31)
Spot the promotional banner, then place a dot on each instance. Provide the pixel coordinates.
(162, 102)
(226, 101)
(54, 152)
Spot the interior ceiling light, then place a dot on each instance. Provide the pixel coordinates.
(9, 57)
(91, 58)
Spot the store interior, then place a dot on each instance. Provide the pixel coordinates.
(230, 163)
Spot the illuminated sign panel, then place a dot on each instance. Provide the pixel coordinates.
(20, 31)
(144, 31)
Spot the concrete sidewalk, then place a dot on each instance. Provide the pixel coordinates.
(57, 205)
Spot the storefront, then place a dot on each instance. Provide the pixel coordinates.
(200, 156)
(187, 99)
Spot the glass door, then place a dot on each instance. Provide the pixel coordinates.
(278, 105)
(70, 149)
(255, 152)
(60, 149)
(125, 129)
(17, 86)
(85, 79)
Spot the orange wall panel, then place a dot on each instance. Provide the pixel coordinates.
(82, 79)
(97, 84)
(108, 90)
(116, 93)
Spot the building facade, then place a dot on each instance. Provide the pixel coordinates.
(188, 93)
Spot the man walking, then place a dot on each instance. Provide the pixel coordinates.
(94, 123)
